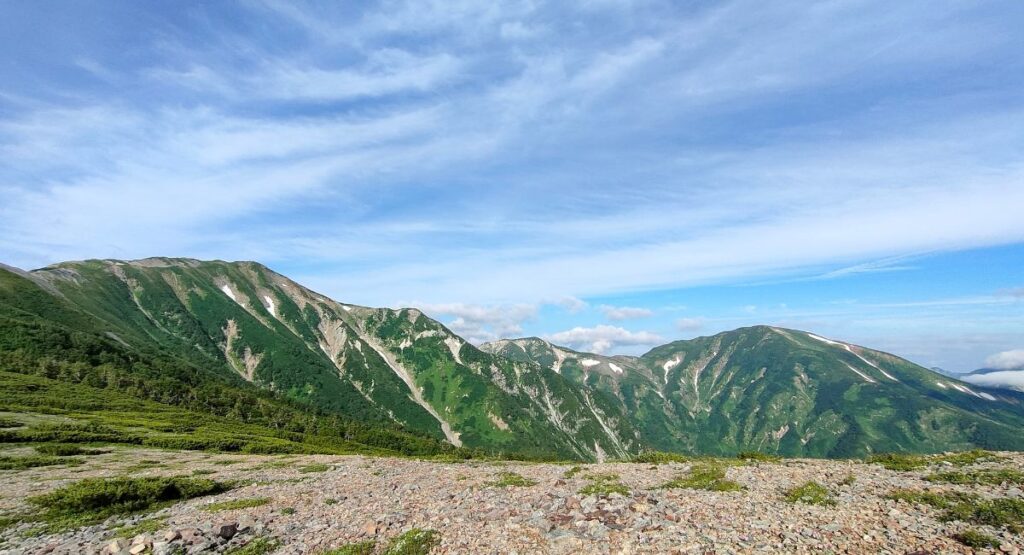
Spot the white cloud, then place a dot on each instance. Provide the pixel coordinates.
(1006, 360)
(1013, 379)
(603, 339)
(689, 324)
(481, 323)
(572, 305)
(619, 313)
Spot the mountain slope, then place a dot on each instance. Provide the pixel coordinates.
(248, 323)
(789, 392)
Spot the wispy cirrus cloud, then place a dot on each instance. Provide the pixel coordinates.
(510, 153)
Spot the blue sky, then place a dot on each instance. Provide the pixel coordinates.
(610, 175)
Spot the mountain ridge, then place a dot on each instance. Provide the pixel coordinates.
(755, 388)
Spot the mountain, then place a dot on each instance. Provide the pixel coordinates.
(1002, 378)
(785, 391)
(399, 368)
(241, 343)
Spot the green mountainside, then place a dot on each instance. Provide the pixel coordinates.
(234, 356)
(247, 325)
(787, 392)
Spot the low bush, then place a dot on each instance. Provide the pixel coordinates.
(603, 485)
(33, 461)
(93, 500)
(414, 542)
(511, 479)
(999, 476)
(976, 539)
(237, 504)
(314, 468)
(758, 456)
(709, 477)
(257, 546)
(810, 493)
(659, 457)
(360, 548)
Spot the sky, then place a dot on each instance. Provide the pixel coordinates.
(608, 175)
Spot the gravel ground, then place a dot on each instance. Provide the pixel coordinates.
(360, 498)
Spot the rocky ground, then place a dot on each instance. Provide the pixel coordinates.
(310, 509)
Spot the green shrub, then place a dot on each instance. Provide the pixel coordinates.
(315, 468)
(147, 526)
(604, 485)
(572, 472)
(414, 542)
(966, 458)
(288, 511)
(96, 499)
(244, 503)
(937, 500)
(976, 539)
(659, 457)
(33, 461)
(1003, 512)
(758, 456)
(10, 423)
(708, 477)
(511, 479)
(64, 450)
(999, 476)
(811, 493)
(896, 461)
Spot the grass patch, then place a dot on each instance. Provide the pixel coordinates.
(905, 463)
(288, 511)
(360, 548)
(203, 471)
(10, 423)
(1001, 512)
(603, 485)
(330, 501)
(991, 477)
(96, 499)
(848, 480)
(967, 458)
(147, 526)
(234, 504)
(511, 479)
(976, 539)
(414, 542)
(33, 461)
(937, 500)
(810, 493)
(64, 450)
(709, 477)
(758, 456)
(258, 546)
(659, 457)
(896, 461)
(572, 472)
(225, 462)
(314, 468)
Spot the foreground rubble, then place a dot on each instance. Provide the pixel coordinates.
(311, 504)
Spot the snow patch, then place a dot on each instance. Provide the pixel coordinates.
(227, 291)
(854, 353)
(346, 308)
(986, 396)
(455, 346)
(867, 378)
(615, 368)
(588, 362)
(270, 305)
(670, 364)
(942, 385)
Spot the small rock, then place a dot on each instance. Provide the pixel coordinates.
(172, 535)
(115, 546)
(370, 528)
(226, 530)
(138, 548)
